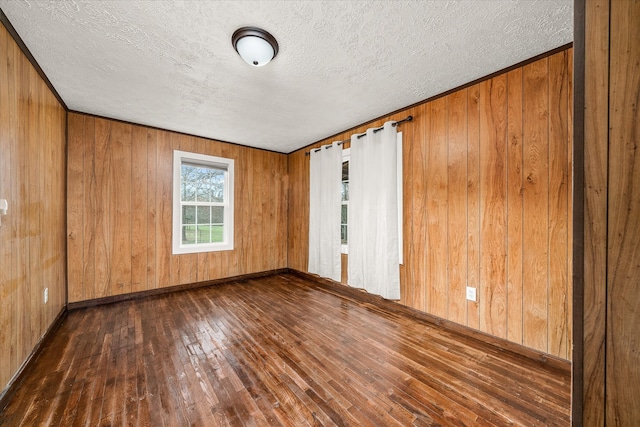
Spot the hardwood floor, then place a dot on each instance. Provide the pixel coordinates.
(277, 350)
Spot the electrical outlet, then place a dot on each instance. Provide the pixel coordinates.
(46, 295)
(471, 293)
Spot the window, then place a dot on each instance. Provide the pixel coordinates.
(345, 200)
(202, 203)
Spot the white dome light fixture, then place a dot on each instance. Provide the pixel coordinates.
(256, 46)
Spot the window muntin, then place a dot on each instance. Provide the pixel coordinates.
(203, 203)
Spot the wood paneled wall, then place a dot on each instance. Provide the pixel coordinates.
(120, 210)
(32, 235)
(607, 378)
(487, 202)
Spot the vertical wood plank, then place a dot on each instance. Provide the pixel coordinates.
(283, 214)
(493, 207)
(34, 210)
(88, 142)
(473, 203)
(227, 261)
(247, 213)
(295, 207)
(7, 281)
(570, 205)
(174, 260)
(49, 207)
(623, 272)
(59, 127)
(419, 250)
(164, 205)
(258, 215)
(104, 222)
(21, 204)
(457, 206)
(438, 245)
(139, 220)
(152, 207)
(536, 205)
(596, 97)
(120, 205)
(240, 214)
(515, 236)
(407, 211)
(75, 208)
(558, 210)
(344, 264)
(9, 123)
(268, 185)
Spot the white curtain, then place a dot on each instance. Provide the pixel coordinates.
(324, 211)
(373, 213)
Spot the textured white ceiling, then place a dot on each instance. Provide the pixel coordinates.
(170, 64)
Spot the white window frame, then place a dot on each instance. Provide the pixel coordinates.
(346, 157)
(180, 157)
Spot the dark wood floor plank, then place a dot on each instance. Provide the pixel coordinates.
(277, 351)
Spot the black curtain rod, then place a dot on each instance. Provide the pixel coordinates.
(408, 119)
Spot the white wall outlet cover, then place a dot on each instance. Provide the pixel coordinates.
(471, 293)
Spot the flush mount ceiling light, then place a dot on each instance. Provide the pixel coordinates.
(256, 46)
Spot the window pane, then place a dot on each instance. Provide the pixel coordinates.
(216, 233)
(188, 214)
(217, 214)
(188, 234)
(204, 233)
(345, 171)
(202, 183)
(343, 234)
(187, 187)
(345, 191)
(202, 195)
(216, 185)
(204, 215)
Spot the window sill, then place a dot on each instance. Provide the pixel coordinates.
(195, 249)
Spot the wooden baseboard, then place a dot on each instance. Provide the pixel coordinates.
(152, 292)
(502, 345)
(18, 378)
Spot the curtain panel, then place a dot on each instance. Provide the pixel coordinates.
(373, 213)
(324, 211)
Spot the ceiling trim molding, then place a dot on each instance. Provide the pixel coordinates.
(449, 92)
(25, 50)
(127, 122)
